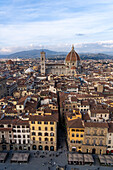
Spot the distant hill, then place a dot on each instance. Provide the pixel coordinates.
(53, 54)
(33, 54)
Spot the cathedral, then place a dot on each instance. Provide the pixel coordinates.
(71, 65)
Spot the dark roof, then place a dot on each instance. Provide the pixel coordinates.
(96, 124)
(76, 123)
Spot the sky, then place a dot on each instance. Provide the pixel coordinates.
(56, 25)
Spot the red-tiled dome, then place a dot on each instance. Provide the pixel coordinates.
(72, 56)
(10, 62)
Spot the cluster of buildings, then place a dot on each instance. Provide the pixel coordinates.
(38, 97)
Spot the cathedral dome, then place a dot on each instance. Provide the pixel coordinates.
(72, 56)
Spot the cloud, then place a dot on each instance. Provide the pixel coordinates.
(57, 23)
(79, 34)
(96, 47)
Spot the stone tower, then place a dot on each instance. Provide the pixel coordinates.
(42, 63)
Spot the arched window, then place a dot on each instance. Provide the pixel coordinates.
(51, 134)
(51, 139)
(39, 134)
(39, 128)
(40, 139)
(72, 141)
(46, 134)
(73, 135)
(77, 135)
(73, 130)
(45, 128)
(33, 133)
(46, 139)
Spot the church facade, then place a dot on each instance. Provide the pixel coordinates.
(71, 65)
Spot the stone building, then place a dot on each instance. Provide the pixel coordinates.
(71, 66)
(3, 87)
(95, 137)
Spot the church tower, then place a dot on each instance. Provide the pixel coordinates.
(42, 63)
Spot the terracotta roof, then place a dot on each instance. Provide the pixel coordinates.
(110, 130)
(96, 124)
(76, 123)
(10, 62)
(53, 117)
(73, 68)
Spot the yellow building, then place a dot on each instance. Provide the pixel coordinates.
(43, 131)
(75, 134)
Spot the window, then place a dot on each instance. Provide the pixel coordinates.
(24, 142)
(18, 131)
(23, 126)
(46, 139)
(77, 135)
(46, 134)
(102, 132)
(51, 139)
(40, 139)
(51, 128)
(33, 128)
(33, 138)
(33, 133)
(109, 141)
(39, 122)
(33, 122)
(72, 141)
(23, 136)
(101, 142)
(94, 141)
(88, 132)
(45, 128)
(95, 132)
(9, 125)
(81, 135)
(19, 136)
(73, 130)
(87, 141)
(51, 134)
(18, 126)
(20, 106)
(45, 123)
(73, 135)
(39, 134)
(39, 128)
(77, 130)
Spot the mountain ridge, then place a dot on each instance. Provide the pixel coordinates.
(53, 54)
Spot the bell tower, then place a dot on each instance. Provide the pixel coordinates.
(42, 62)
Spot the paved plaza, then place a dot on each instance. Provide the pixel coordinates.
(49, 160)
